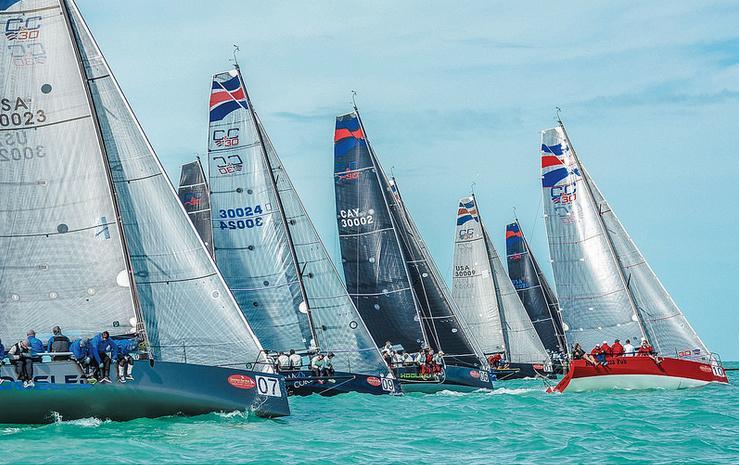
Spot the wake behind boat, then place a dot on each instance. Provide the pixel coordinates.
(94, 240)
(272, 258)
(391, 277)
(608, 291)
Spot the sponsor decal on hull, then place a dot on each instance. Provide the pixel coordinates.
(242, 381)
(374, 381)
(475, 374)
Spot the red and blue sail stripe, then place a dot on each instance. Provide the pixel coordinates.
(467, 211)
(552, 167)
(513, 241)
(347, 135)
(226, 97)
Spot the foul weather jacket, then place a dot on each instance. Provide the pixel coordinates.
(99, 346)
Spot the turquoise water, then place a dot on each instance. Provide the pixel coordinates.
(517, 423)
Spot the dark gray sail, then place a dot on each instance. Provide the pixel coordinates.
(195, 197)
(534, 291)
(374, 266)
(444, 330)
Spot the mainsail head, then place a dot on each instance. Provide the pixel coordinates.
(98, 212)
(195, 197)
(605, 287)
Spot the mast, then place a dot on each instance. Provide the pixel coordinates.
(501, 313)
(283, 217)
(378, 171)
(609, 241)
(140, 323)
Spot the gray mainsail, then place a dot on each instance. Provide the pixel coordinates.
(482, 287)
(267, 247)
(195, 197)
(119, 254)
(605, 286)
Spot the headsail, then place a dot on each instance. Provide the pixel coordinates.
(492, 291)
(439, 312)
(374, 267)
(536, 295)
(195, 197)
(606, 288)
(273, 255)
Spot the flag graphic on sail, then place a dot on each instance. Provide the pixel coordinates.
(269, 251)
(605, 287)
(534, 291)
(486, 297)
(119, 255)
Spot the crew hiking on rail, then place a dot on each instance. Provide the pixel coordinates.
(600, 354)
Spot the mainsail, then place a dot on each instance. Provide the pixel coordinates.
(486, 296)
(267, 247)
(195, 197)
(535, 293)
(605, 286)
(388, 270)
(120, 253)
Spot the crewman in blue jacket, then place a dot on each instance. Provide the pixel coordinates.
(35, 343)
(99, 346)
(124, 359)
(81, 353)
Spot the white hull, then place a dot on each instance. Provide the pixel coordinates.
(629, 382)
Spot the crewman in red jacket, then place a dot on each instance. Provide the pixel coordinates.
(617, 350)
(606, 349)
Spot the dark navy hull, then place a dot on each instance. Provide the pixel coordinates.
(303, 383)
(452, 378)
(165, 389)
(522, 370)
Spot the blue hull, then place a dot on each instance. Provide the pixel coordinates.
(520, 371)
(303, 383)
(453, 378)
(165, 389)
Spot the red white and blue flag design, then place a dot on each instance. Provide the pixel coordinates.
(226, 96)
(467, 211)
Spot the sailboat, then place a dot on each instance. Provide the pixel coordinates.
(607, 290)
(488, 302)
(390, 274)
(195, 197)
(535, 293)
(94, 239)
(272, 257)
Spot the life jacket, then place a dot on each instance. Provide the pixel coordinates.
(617, 349)
(59, 343)
(606, 349)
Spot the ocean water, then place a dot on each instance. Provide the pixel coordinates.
(516, 423)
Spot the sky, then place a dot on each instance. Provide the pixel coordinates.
(456, 93)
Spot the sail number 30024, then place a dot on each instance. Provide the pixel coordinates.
(249, 214)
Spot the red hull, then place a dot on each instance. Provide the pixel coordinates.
(640, 373)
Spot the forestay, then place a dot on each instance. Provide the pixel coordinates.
(195, 197)
(533, 290)
(374, 267)
(189, 314)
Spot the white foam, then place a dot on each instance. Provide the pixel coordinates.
(516, 391)
(91, 422)
(234, 414)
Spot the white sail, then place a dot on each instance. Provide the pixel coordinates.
(485, 294)
(62, 259)
(473, 287)
(593, 299)
(89, 130)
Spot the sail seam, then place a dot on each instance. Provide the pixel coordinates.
(36, 126)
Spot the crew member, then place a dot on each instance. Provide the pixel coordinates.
(598, 355)
(2, 352)
(617, 350)
(34, 343)
(81, 353)
(328, 365)
(58, 342)
(283, 362)
(316, 364)
(438, 362)
(296, 361)
(22, 357)
(124, 359)
(628, 349)
(494, 360)
(407, 359)
(387, 353)
(577, 352)
(396, 359)
(428, 361)
(606, 349)
(646, 350)
(99, 345)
